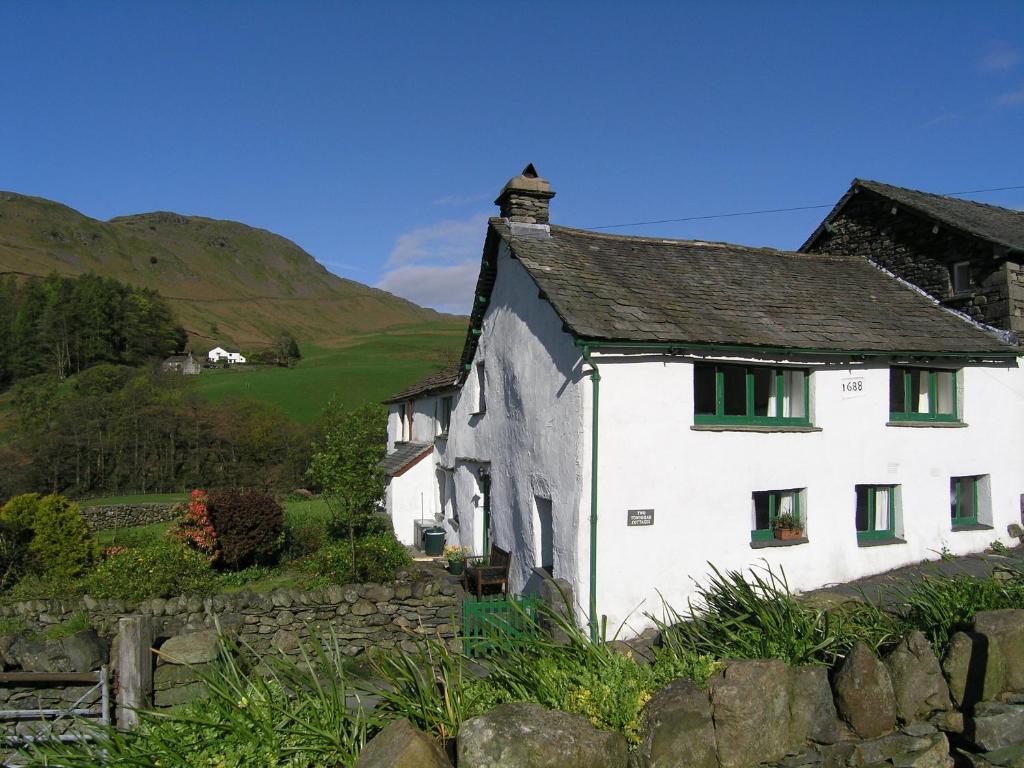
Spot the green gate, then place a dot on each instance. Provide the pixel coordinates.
(492, 620)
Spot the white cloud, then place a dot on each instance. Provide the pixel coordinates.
(446, 288)
(448, 241)
(1011, 98)
(437, 265)
(461, 199)
(1000, 57)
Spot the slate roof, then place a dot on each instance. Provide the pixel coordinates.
(621, 288)
(446, 378)
(1002, 226)
(403, 457)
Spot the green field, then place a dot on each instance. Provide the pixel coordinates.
(369, 371)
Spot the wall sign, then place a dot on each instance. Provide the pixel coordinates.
(639, 517)
(852, 387)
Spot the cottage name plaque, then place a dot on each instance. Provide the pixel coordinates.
(639, 517)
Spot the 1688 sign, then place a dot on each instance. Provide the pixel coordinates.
(853, 385)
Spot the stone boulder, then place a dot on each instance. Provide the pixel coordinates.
(995, 725)
(400, 745)
(1005, 629)
(924, 749)
(83, 651)
(917, 680)
(529, 736)
(750, 701)
(863, 693)
(812, 712)
(974, 669)
(192, 648)
(676, 729)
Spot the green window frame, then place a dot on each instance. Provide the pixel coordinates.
(728, 393)
(874, 520)
(937, 386)
(964, 497)
(772, 502)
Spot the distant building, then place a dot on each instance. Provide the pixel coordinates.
(217, 354)
(183, 364)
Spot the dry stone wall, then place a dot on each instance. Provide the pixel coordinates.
(107, 516)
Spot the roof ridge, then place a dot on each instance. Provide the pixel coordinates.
(953, 198)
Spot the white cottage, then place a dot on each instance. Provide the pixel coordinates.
(217, 354)
(631, 409)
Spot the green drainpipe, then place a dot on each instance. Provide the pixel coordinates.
(595, 378)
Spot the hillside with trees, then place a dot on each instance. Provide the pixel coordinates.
(224, 281)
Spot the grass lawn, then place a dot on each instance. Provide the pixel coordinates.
(370, 370)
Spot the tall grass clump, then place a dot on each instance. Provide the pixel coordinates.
(756, 616)
(941, 605)
(289, 713)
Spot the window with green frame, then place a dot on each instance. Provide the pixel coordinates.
(964, 495)
(922, 394)
(876, 512)
(750, 394)
(769, 505)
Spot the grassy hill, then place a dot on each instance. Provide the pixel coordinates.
(368, 371)
(228, 283)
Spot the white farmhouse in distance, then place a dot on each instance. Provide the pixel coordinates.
(631, 409)
(217, 354)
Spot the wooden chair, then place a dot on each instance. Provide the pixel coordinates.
(490, 571)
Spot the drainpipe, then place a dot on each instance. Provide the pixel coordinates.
(595, 378)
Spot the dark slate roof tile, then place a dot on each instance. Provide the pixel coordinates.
(446, 378)
(404, 456)
(616, 288)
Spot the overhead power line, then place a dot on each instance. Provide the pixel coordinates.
(777, 210)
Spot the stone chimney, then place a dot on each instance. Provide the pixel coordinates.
(525, 198)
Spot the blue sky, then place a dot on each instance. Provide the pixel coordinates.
(376, 135)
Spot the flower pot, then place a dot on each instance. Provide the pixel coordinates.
(789, 534)
(456, 569)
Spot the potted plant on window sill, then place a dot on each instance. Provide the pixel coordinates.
(456, 560)
(788, 528)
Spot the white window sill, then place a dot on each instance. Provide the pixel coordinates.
(750, 428)
(928, 424)
(766, 543)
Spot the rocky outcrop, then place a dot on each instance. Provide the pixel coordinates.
(530, 736)
(400, 745)
(917, 680)
(863, 693)
(677, 729)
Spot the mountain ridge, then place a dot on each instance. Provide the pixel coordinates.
(227, 281)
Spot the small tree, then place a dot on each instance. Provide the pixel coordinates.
(346, 465)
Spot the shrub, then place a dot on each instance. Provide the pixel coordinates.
(163, 569)
(63, 544)
(249, 527)
(21, 509)
(378, 559)
(194, 527)
(15, 558)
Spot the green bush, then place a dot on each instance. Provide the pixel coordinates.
(163, 569)
(249, 526)
(63, 545)
(21, 509)
(378, 559)
(15, 558)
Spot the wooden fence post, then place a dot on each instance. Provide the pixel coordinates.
(134, 669)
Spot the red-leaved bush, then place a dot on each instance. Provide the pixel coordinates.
(195, 529)
(249, 527)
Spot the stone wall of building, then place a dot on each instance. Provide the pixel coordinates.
(107, 516)
(905, 244)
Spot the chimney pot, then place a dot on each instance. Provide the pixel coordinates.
(525, 198)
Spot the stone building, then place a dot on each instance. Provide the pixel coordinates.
(965, 254)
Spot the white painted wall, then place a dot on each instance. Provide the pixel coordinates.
(700, 483)
(531, 433)
(412, 496)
